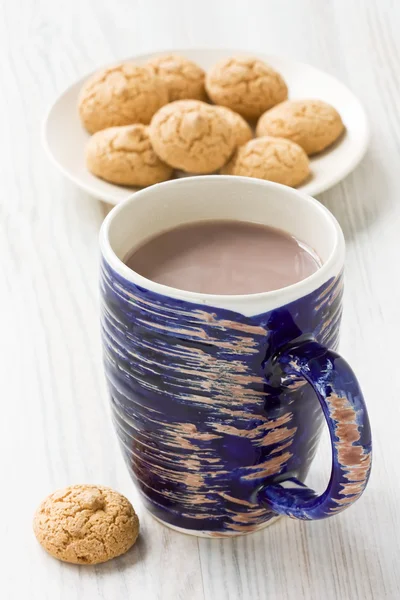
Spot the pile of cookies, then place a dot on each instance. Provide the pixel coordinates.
(150, 121)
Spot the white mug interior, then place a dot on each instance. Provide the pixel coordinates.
(219, 197)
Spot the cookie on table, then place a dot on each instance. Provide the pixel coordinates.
(86, 524)
(182, 77)
(124, 155)
(192, 136)
(313, 124)
(273, 159)
(121, 95)
(246, 85)
(241, 130)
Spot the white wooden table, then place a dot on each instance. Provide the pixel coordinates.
(55, 428)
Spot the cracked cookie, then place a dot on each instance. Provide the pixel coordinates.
(121, 95)
(313, 124)
(86, 524)
(192, 136)
(124, 155)
(241, 130)
(274, 159)
(246, 85)
(182, 77)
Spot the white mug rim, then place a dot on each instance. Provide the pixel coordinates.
(331, 266)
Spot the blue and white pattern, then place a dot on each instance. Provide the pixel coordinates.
(208, 418)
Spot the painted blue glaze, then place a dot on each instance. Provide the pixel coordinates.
(343, 405)
(207, 417)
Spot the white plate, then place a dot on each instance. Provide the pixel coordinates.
(65, 138)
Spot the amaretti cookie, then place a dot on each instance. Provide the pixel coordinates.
(182, 77)
(246, 85)
(124, 155)
(274, 159)
(121, 95)
(86, 524)
(313, 124)
(192, 136)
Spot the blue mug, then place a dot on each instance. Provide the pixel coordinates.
(218, 400)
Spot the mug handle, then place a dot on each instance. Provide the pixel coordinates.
(343, 405)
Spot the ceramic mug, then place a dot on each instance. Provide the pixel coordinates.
(218, 400)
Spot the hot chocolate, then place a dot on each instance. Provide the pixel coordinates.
(224, 257)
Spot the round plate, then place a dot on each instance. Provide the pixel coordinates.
(65, 138)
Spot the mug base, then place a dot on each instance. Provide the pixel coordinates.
(215, 534)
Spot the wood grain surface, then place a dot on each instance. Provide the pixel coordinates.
(55, 427)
